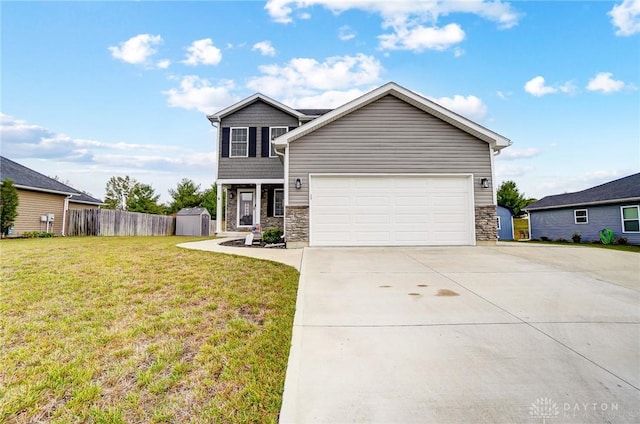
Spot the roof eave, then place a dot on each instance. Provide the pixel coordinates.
(595, 203)
(44, 190)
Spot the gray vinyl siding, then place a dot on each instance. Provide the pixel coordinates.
(506, 224)
(388, 136)
(258, 114)
(560, 223)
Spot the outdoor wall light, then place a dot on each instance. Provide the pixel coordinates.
(230, 193)
(298, 183)
(484, 182)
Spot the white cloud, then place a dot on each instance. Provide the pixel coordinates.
(469, 106)
(136, 50)
(195, 93)
(626, 17)
(307, 78)
(345, 33)
(536, 87)
(328, 99)
(418, 38)
(513, 153)
(265, 48)
(503, 95)
(163, 64)
(510, 170)
(458, 52)
(568, 87)
(605, 83)
(203, 52)
(413, 23)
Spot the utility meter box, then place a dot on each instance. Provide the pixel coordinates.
(50, 217)
(43, 218)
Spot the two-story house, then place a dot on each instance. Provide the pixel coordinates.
(250, 170)
(388, 168)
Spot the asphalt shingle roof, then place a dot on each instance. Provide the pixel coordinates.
(624, 188)
(30, 179)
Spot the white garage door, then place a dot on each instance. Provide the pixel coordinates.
(391, 210)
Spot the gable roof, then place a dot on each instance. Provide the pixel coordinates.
(496, 141)
(192, 211)
(29, 179)
(216, 117)
(623, 189)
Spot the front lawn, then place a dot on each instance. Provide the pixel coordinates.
(134, 329)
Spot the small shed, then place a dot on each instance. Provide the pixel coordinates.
(505, 223)
(193, 222)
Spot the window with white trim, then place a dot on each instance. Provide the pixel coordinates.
(581, 216)
(278, 202)
(498, 222)
(239, 143)
(275, 132)
(630, 219)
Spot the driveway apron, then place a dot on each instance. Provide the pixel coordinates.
(465, 334)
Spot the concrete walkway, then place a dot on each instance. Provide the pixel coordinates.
(291, 257)
(469, 334)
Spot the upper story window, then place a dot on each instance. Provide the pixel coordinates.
(581, 216)
(239, 142)
(275, 132)
(630, 219)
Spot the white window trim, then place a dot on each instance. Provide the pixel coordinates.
(271, 139)
(238, 197)
(499, 221)
(275, 215)
(586, 216)
(231, 155)
(622, 219)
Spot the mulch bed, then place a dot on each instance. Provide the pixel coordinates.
(240, 243)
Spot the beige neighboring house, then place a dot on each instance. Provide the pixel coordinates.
(43, 201)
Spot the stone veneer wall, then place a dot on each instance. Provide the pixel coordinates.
(296, 223)
(232, 210)
(486, 223)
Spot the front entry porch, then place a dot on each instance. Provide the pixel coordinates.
(249, 203)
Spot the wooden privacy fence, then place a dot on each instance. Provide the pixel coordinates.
(106, 222)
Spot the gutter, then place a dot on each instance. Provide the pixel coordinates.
(594, 203)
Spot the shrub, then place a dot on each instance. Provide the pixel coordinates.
(576, 237)
(36, 234)
(622, 240)
(544, 238)
(272, 235)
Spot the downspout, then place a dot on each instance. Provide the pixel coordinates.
(64, 214)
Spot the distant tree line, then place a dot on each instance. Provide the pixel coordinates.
(128, 194)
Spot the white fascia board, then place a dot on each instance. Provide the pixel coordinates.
(595, 203)
(44, 190)
(258, 96)
(496, 141)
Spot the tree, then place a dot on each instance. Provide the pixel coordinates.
(210, 199)
(186, 195)
(510, 197)
(8, 205)
(143, 198)
(118, 192)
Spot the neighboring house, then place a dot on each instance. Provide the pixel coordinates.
(388, 168)
(505, 223)
(612, 205)
(43, 201)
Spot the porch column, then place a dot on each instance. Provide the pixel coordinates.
(218, 208)
(258, 203)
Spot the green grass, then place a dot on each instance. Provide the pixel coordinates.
(124, 329)
(621, 247)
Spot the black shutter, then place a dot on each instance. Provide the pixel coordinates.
(225, 142)
(270, 196)
(266, 143)
(252, 141)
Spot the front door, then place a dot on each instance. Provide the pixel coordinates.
(246, 207)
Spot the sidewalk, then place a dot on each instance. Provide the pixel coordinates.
(291, 257)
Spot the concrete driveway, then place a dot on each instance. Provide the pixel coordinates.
(506, 334)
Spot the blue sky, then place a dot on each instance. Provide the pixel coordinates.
(92, 90)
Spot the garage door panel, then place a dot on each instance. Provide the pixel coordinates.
(388, 210)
